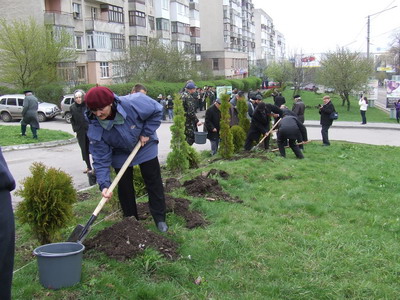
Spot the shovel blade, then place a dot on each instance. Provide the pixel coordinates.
(74, 236)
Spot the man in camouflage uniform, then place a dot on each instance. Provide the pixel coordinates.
(189, 105)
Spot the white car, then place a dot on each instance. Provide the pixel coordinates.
(11, 108)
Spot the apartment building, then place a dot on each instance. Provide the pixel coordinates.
(265, 37)
(228, 38)
(103, 30)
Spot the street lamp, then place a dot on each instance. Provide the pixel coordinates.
(368, 26)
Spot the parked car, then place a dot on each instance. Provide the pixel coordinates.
(11, 108)
(65, 104)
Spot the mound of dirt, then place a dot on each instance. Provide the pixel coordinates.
(180, 207)
(208, 188)
(129, 238)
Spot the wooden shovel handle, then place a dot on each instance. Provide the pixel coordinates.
(269, 132)
(117, 178)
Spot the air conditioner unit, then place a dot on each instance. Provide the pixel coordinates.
(75, 15)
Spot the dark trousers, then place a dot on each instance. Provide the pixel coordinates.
(324, 132)
(151, 174)
(214, 146)
(363, 117)
(254, 135)
(7, 245)
(282, 139)
(83, 142)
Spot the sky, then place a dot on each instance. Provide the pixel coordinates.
(319, 26)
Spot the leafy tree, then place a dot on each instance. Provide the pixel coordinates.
(29, 53)
(345, 71)
(226, 146)
(395, 52)
(178, 158)
(281, 71)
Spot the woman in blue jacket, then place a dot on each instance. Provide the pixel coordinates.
(116, 124)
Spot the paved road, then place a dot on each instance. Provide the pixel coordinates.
(68, 157)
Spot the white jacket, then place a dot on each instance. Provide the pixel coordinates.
(363, 104)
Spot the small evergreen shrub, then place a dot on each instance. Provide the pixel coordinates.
(177, 159)
(193, 158)
(239, 137)
(48, 195)
(226, 145)
(242, 108)
(140, 187)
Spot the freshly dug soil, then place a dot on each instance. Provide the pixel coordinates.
(180, 207)
(129, 238)
(208, 188)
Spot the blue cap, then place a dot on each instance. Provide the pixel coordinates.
(190, 86)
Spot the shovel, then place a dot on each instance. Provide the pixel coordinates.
(266, 135)
(80, 231)
(298, 144)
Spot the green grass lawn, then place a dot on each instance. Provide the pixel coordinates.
(311, 100)
(11, 135)
(325, 227)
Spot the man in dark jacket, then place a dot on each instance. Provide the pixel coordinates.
(7, 230)
(190, 106)
(212, 123)
(325, 111)
(29, 114)
(299, 108)
(290, 128)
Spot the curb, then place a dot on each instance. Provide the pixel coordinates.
(39, 145)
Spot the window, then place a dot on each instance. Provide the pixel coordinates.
(137, 40)
(78, 42)
(195, 31)
(77, 10)
(196, 48)
(137, 18)
(117, 41)
(98, 40)
(115, 13)
(178, 27)
(104, 70)
(81, 73)
(215, 64)
(151, 23)
(66, 71)
(162, 24)
(93, 13)
(12, 101)
(118, 69)
(165, 4)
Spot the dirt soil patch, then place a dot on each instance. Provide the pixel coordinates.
(209, 188)
(82, 196)
(129, 238)
(178, 206)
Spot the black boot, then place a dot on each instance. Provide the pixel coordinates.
(34, 132)
(23, 130)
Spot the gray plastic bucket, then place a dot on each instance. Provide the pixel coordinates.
(60, 264)
(200, 137)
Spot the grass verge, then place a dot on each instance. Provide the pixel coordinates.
(11, 135)
(325, 227)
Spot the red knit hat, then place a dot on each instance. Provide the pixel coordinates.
(99, 97)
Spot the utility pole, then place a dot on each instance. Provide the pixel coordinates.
(369, 25)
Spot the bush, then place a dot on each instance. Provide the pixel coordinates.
(140, 187)
(243, 109)
(6, 90)
(239, 137)
(50, 93)
(48, 198)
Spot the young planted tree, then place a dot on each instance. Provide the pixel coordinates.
(226, 146)
(48, 198)
(29, 53)
(178, 158)
(242, 108)
(345, 71)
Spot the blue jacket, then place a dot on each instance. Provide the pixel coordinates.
(111, 147)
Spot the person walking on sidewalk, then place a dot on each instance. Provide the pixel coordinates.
(325, 111)
(397, 106)
(363, 102)
(80, 126)
(29, 114)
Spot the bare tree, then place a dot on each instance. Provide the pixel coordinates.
(345, 71)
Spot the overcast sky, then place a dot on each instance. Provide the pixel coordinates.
(317, 26)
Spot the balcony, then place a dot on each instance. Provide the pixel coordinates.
(59, 18)
(103, 26)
